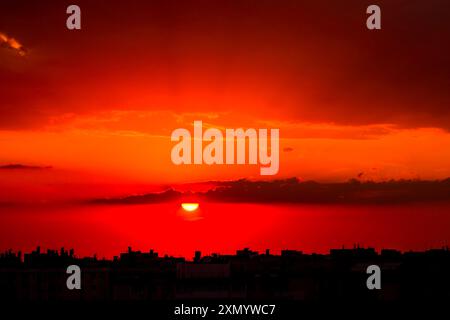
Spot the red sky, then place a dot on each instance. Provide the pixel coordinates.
(99, 104)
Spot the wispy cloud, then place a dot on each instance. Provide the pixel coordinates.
(12, 43)
(17, 166)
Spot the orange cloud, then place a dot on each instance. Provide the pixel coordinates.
(12, 44)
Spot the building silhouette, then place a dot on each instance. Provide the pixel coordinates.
(247, 275)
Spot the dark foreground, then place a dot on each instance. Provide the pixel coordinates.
(244, 285)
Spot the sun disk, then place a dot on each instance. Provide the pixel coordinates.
(189, 206)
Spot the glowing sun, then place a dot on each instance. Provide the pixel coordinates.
(189, 206)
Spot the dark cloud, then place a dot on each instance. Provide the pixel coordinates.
(295, 191)
(17, 166)
(158, 197)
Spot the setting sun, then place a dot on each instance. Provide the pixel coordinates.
(189, 206)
